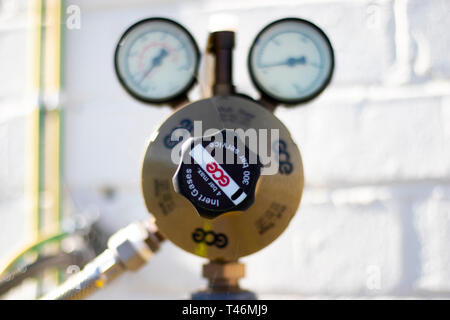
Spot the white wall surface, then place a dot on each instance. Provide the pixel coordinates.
(375, 216)
(13, 123)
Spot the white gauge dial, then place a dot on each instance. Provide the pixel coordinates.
(291, 61)
(156, 60)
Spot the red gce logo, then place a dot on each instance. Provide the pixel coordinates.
(217, 174)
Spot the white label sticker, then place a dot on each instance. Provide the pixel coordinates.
(216, 172)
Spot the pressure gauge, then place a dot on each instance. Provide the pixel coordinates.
(156, 60)
(291, 61)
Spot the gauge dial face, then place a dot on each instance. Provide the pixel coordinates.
(156, 60)
(291, 61)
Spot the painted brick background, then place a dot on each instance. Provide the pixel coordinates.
(375, 217)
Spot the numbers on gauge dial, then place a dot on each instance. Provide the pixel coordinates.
(159, 64)
(156, 60)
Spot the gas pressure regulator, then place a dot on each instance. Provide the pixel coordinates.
(222, 176)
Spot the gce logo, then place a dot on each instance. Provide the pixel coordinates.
(210, 238)
(221, 178)
(184, 124)
(284, 157)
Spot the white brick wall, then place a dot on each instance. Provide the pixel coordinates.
(375, 217)
(428, 21)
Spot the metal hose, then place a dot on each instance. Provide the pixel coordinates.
(59, 260)
(105, 268)
(128, 249)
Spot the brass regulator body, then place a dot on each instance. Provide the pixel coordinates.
(233, 234)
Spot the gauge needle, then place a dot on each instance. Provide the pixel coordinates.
(156, 62)
(290, 62)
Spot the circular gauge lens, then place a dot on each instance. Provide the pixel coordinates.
(156, 60)
(291, 61)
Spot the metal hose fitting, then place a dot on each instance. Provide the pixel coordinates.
(128, 249)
